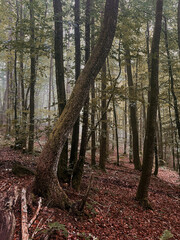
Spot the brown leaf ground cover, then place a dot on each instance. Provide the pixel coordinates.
(111, 211)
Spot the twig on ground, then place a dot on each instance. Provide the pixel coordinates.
(36, 213)
(36, 229)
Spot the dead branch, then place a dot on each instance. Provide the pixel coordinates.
(78, 207)
(36, 213)
(24, 224)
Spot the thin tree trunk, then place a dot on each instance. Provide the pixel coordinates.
(125, 126)
(132, 101)
(172, 132)
(23, 132)
(16, 84)
(171, 78)
(78, 170)
(142, 191)
(61, 94)
(156, 157)
(116, 131)
(50, 92)
(93, 108)
(32, 78)
(160, 142)
(133, 112)
(75, 135)
(130, 143)
(46, 182)
(103, 136)
(178, 23)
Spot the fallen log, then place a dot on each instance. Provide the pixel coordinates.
(7, 218)
(24, 221)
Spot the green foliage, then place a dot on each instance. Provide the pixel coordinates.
(166, 235)
(56, 226)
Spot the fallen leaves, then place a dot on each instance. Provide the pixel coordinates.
(111, 212)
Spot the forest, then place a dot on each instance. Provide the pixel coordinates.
(89, 119)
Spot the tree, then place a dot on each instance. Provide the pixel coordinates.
(32, 78)
(178, 21)
(61, 94)
(46, 182)
(75, 135)
(132, 101)
(142, 191)
(79, 165)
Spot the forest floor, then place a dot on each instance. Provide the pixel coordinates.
(111, 211)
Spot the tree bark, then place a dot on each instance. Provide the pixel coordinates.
(93, 108)
(75, 135)
(78, 170)
(46, 182)
(103, 133)
(142, 191)
(61, 94)
(133, 110)
(178, 22)
(32, 78)
(171, 78)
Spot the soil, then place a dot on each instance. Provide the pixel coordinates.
(111, 211)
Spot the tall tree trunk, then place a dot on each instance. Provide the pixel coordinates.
(93, 108)
(125, 126)
(171, 78)
(61, 94)
(116, 131)
(16, 84)
(103, 134)
(78, 169)
(156, 157)
(133, 112)
(132, 101)
(23, 132)
(172, 131)
(32, 78)
(50, 92)
(46, 182)
(142, 191)
(160, 142)
(178, 22)
(75, 135)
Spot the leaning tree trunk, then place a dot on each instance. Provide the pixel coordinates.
(142, 191)
(46, 182)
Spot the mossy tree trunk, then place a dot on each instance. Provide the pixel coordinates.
(148, 154)
(46, 182)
